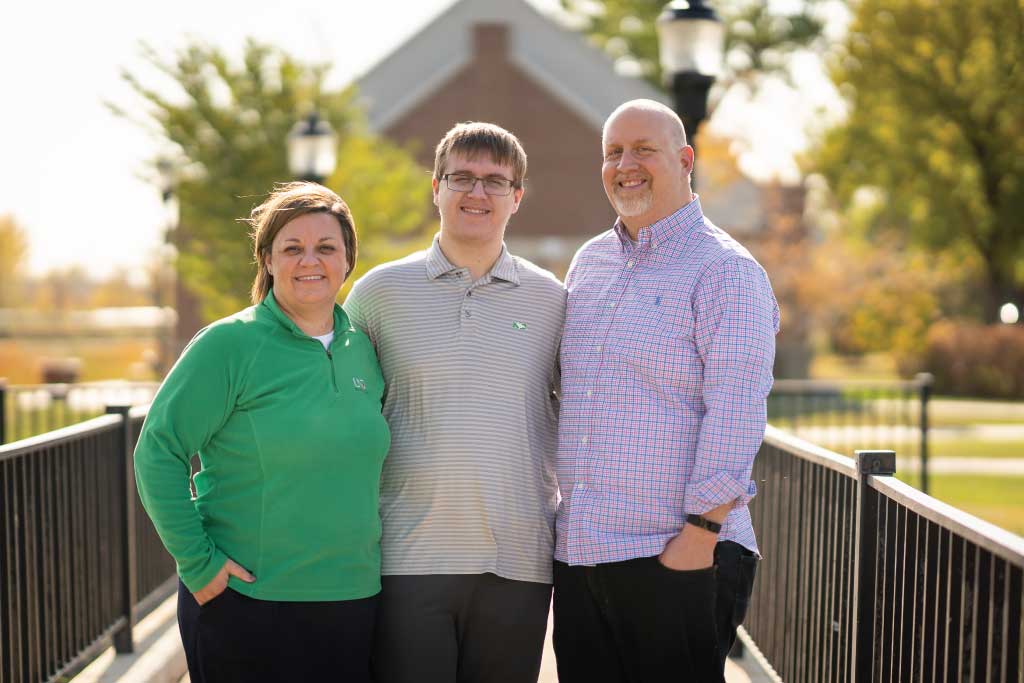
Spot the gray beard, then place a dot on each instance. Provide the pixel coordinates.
(633, 206)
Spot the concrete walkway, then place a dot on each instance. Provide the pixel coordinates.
(158, 656)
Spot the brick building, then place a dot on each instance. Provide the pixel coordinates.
(504, 62)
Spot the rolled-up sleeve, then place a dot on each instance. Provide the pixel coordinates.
(736, 320)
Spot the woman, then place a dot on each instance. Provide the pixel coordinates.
(278, 554)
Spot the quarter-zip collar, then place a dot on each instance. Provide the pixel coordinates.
(271, 311)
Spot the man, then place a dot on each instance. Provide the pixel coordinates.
(666, 363)
(467, 337)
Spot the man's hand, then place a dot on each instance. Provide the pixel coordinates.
(219, 583)
(692, 548)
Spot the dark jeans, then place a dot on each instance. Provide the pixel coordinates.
(237, 638)
(638, 621)
(455, 628)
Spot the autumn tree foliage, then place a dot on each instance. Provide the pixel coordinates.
(935, 133)
(13, 261)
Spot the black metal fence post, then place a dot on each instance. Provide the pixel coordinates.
(926, 381)
(129, 580)
(868, 542)
(3, 410)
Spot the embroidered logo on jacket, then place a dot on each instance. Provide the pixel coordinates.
(359, 384)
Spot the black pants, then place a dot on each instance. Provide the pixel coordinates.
(237, 638)
(460, 628)
(639, 622)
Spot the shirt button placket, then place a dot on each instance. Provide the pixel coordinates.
(467, 311)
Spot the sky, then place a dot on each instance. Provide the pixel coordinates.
(70, 171)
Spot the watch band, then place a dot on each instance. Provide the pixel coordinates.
(704, 523)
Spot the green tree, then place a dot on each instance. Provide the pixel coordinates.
(13, 259)
(228, 123)
(758, 36)
(389, 195)
(934, 140)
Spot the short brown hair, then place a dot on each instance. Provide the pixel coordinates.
(287, 202)
(473, 138)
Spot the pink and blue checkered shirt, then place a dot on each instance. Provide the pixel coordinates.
(666, 364)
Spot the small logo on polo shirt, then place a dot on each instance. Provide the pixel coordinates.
(359, 384)
(516, 325)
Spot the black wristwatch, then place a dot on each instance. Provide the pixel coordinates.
(704, 523)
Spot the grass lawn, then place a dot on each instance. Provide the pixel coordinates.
(21, 360)
(945, 419)
(995, 499)
(868, 366)
(976, 448)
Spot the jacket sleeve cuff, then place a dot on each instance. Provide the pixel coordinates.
(718, 490)
(201, 575)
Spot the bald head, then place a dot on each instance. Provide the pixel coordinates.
(647, 163)
(658, 111)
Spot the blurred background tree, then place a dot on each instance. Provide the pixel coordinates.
(759, 35)
(390, 197)
(227, 124)
(934, 139)
(13, 262)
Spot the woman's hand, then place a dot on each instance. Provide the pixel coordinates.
(219, 583)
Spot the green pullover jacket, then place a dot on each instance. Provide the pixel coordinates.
(291, 440)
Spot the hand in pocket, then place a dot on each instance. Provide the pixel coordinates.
(219, 583)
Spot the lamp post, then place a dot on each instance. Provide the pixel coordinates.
(312, 149)
(168, 175)
(690, 37)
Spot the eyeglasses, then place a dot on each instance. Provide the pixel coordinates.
(496, 186)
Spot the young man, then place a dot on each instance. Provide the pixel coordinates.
(666, 360)
(467, 337)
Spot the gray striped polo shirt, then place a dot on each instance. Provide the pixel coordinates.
(471, 370)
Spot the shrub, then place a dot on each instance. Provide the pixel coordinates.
(968, 359)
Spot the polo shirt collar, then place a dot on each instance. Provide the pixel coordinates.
(437, 264)
(685, 219)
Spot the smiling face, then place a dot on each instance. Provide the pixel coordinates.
(475, 217)
(646, 171)
(307, 262)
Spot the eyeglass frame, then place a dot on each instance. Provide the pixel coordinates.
(483, 183)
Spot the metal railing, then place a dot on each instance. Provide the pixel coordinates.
(80, 562)
(844, 415)
(31, 409)
(867, 579)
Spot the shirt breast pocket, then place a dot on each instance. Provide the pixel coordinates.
(656, 331)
